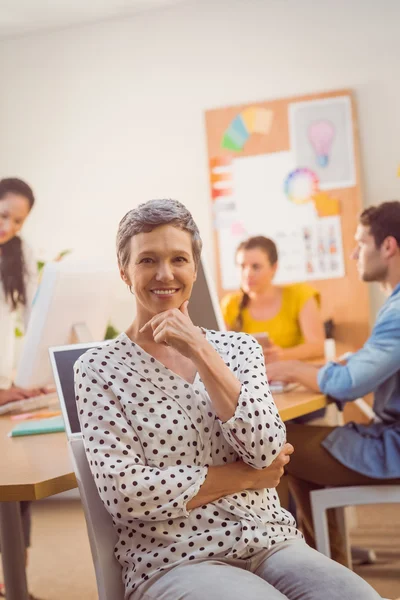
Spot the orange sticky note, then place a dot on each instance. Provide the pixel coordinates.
(325, 205)
(249, 116)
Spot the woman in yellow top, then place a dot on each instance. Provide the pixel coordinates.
(289, 315)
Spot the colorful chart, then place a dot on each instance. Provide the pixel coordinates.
(251, 120)
(301, 185)
(220, 177)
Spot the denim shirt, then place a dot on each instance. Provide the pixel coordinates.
(373, 450)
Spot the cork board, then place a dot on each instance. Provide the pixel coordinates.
(290, 169)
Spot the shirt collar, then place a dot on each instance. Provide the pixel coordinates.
(395, 291)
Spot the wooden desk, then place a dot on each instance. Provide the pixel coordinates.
(299, 402)
(32, 467)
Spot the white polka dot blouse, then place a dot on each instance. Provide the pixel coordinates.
(150, 437)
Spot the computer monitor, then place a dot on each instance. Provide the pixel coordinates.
(62, 360)
(73, 304)
(204, 308)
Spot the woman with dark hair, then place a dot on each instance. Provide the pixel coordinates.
(18, 280)
(286, 320)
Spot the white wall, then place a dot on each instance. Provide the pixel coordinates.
(102, 117)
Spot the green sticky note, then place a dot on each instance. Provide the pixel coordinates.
(230, 144)
(34, 427)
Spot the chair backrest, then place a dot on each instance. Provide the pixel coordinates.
(102, 535)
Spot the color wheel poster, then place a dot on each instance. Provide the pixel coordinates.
(269, 195)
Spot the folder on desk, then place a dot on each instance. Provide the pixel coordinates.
(34, 427)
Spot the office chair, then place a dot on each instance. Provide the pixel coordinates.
(340, 497)
(102, 536)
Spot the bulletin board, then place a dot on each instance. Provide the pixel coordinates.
(289, 169)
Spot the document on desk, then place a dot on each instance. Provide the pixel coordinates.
(278, 387)
(35, 427)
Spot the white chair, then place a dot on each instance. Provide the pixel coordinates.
(341, 497)
(102, 536)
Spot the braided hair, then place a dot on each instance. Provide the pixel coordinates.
(269, 248)
(12, 263)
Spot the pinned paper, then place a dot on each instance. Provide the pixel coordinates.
(263, 121)
(398, 171)
(216, 192)
(216, 178)
(220, 161)
(237, 229)
(224, 220)
(251, 120)
(325, 205)
(301, 185)
(249, 117)
(220, 177)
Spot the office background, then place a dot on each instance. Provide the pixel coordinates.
(103, 116)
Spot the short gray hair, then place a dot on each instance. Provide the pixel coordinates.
(150, 215)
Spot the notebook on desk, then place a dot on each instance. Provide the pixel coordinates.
(35, 427)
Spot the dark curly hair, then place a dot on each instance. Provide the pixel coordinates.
(12, 263)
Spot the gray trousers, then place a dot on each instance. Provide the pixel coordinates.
(289, 571)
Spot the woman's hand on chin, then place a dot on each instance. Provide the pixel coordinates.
(174, 328)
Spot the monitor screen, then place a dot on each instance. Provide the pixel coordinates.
(204, 309)
(63, 360)
(73, 305)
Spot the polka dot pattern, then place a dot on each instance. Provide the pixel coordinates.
(150, 437)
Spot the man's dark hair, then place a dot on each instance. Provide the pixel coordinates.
(383, 221)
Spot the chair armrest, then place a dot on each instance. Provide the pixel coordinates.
(365, 408)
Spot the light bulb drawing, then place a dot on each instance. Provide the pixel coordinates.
(321, 135)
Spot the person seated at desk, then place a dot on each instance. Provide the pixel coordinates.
(289, 315)
(18, 279)
(355, 454)
(185, 442)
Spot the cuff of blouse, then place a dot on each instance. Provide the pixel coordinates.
(194, 490)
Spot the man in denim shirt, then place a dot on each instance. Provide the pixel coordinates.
(354, 454)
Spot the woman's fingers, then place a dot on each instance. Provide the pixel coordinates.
(288, 448)
(161, 334)
(165, 316)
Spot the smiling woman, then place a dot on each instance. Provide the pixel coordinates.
(185, 442)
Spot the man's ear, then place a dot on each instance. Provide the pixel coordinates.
(390, 246)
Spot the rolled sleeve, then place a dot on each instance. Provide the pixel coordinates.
(256, 430)
(368, 368)
(128, 487)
